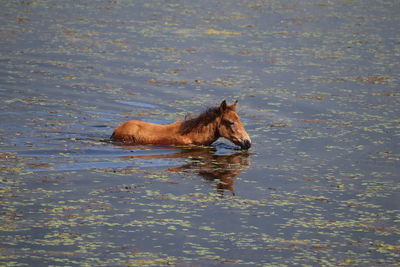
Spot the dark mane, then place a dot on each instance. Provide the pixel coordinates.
(205, 118)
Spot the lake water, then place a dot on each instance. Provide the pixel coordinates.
(318, 90)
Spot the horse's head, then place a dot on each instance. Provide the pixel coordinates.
(231, 127)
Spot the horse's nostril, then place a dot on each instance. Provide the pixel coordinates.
(246, 144)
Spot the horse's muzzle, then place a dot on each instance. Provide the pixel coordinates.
(245, 144)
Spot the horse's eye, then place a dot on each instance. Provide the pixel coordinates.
(229, 123)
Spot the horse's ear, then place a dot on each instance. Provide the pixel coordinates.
(223, 106)
(234, 105)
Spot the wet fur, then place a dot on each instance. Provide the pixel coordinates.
(203, 129)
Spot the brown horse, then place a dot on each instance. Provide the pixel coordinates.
(206, 128)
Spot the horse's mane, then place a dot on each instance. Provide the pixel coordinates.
(190, 123)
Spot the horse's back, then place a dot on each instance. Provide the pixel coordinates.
(127, 131)
(140, 132)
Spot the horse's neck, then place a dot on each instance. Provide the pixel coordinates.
(204, 135)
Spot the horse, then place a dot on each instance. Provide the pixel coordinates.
(202, 130)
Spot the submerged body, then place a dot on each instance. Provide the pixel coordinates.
(204, 129)
(140, 132)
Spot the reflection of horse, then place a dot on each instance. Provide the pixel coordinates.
(223, 169)
(222, 121)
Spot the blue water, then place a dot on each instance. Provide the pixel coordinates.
(317, 84)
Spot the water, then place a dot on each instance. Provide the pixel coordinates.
(318, 89)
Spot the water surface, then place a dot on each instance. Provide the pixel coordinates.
(318, 89)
